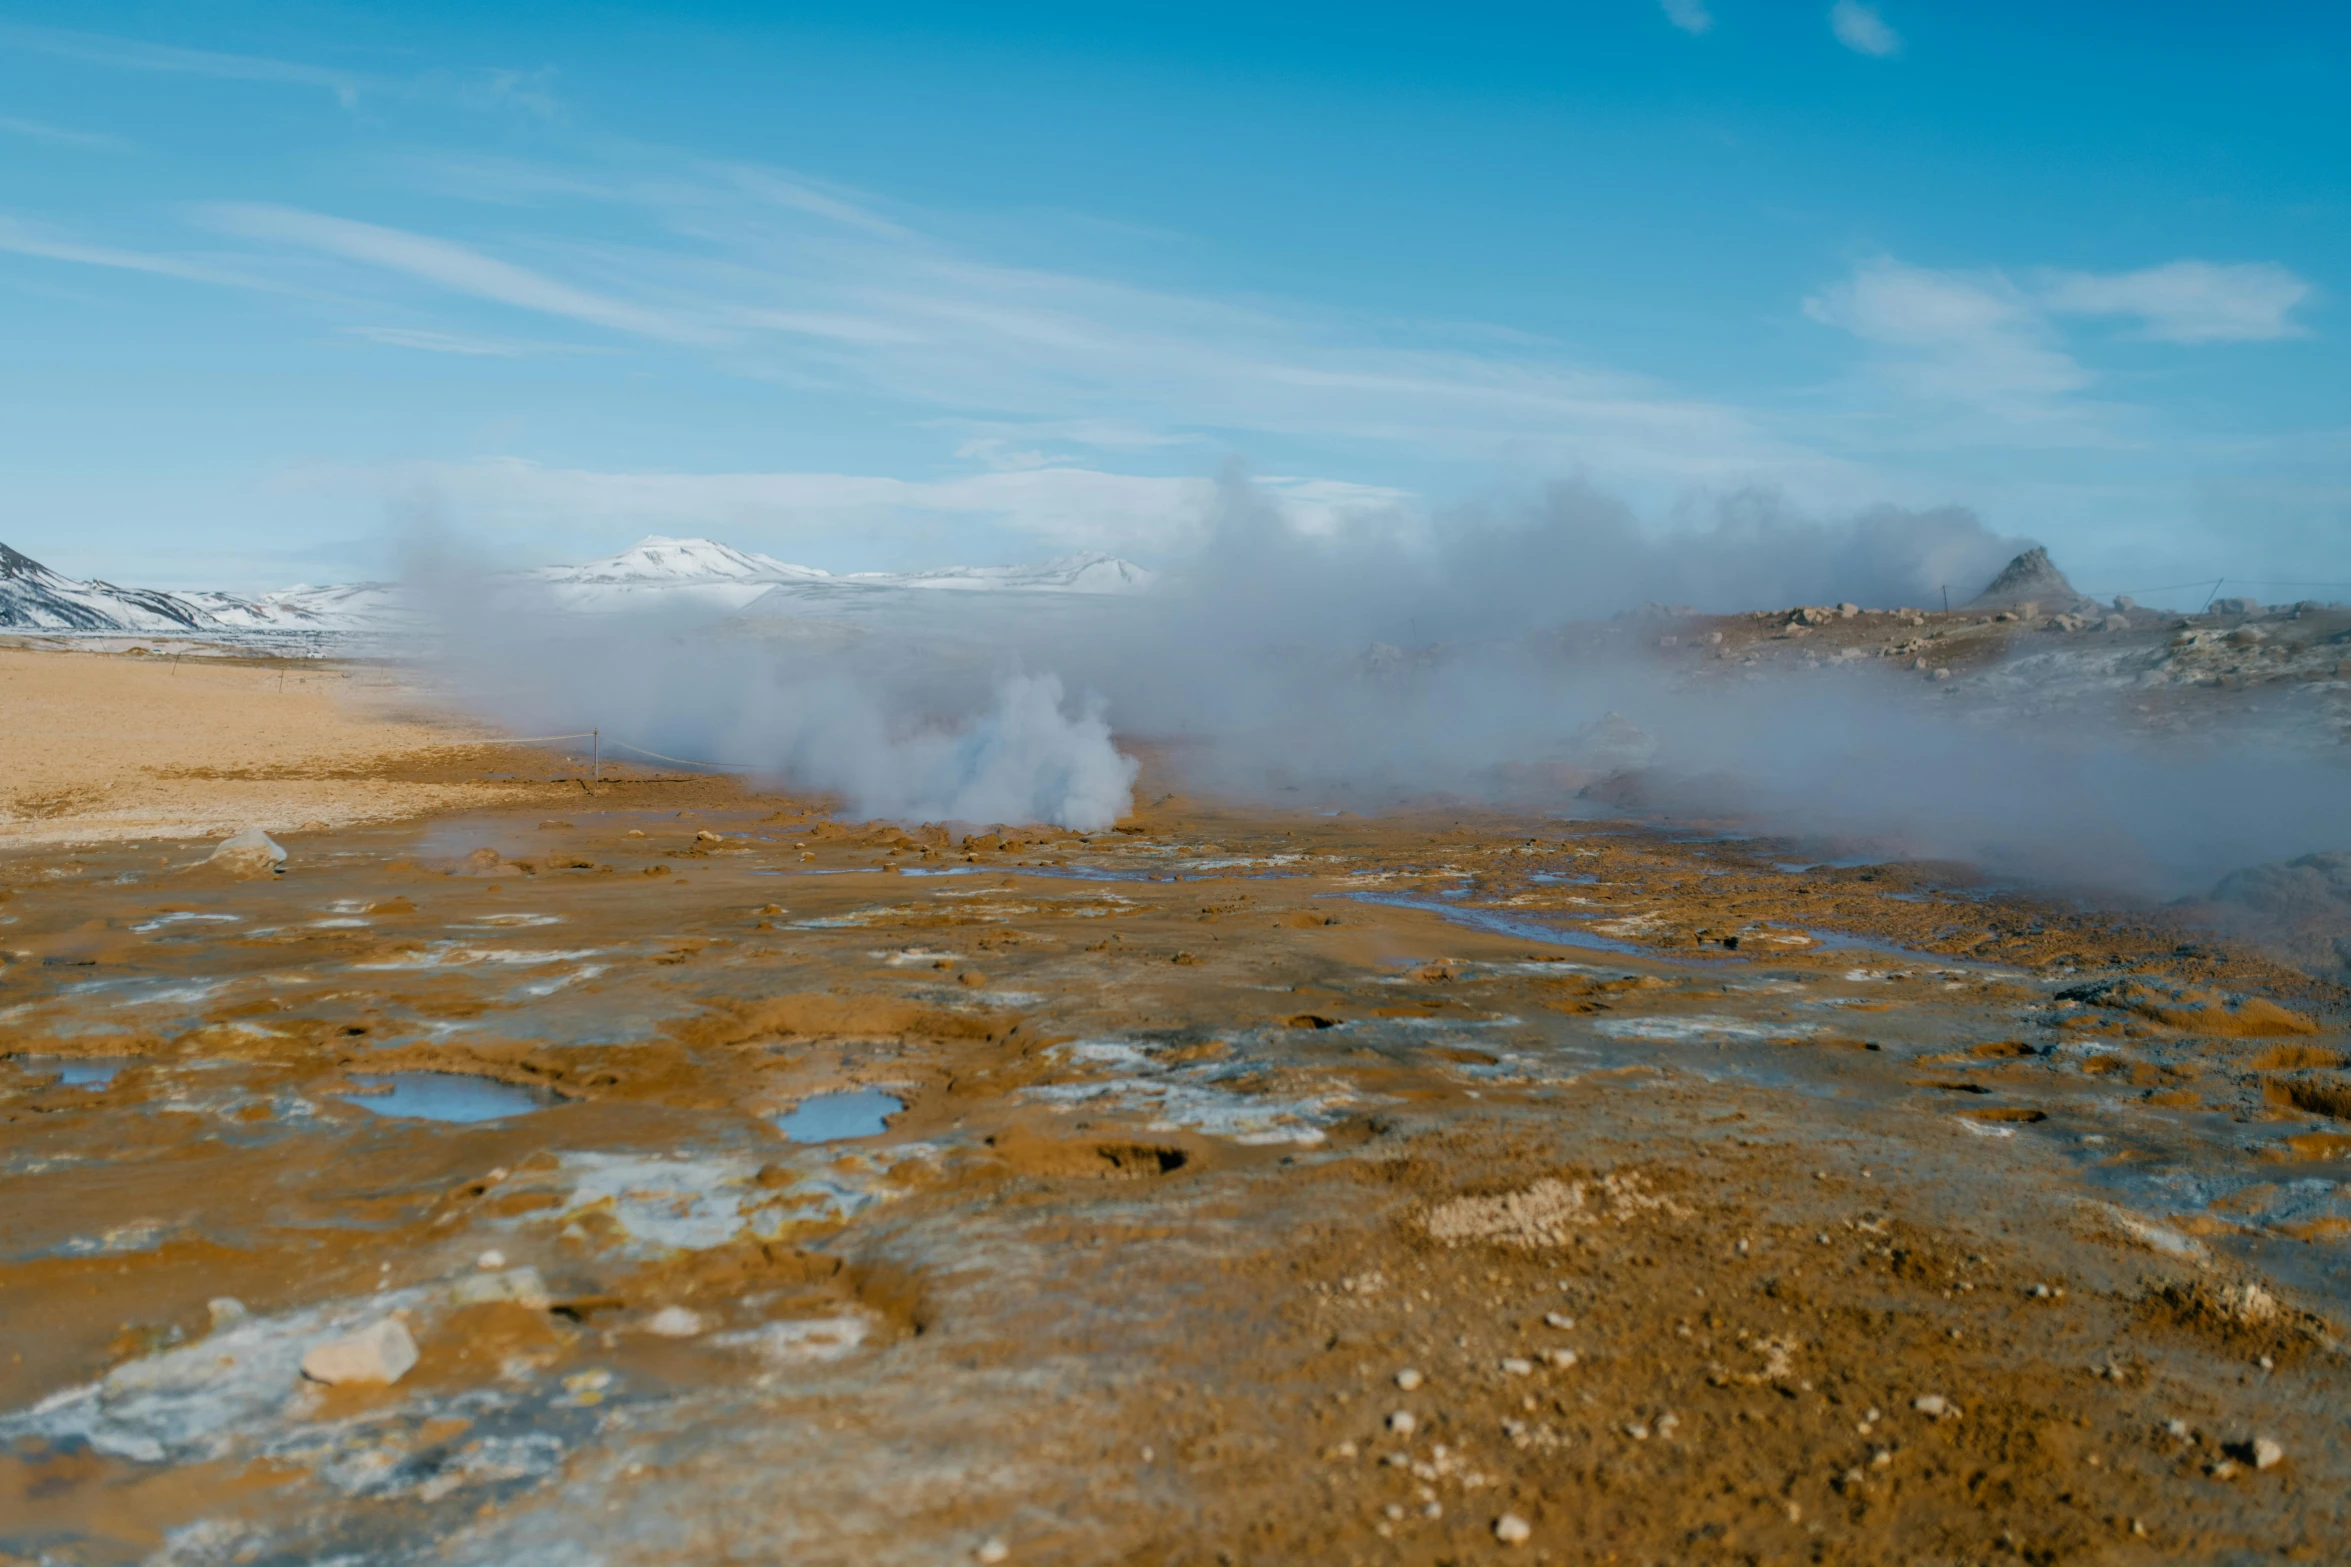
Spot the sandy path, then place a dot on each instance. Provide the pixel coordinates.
(98, 746)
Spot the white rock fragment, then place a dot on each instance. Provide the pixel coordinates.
(1933, 1405)
(1554, 1319)
(1559, 1359)
(1511, 1529)
(1514, 1366)
(513, 1286)
(380, 1353)
(490, 1261)
(1401, 1422)
(2267, 1454)
(1408, 1379)
(991, 1551)
(250, 853)
(676, 1322)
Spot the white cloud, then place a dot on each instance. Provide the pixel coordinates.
(131, 55)
(1691, 16)
(1066, 508)
(2188, 301)
(1859, 28)
(59, 136)
(1970, 336)
(451, 266)
(1062, 507)
(443, 342)
(27, 239)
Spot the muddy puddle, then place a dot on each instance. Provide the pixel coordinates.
(748, 1186)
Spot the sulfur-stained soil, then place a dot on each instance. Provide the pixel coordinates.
(1230, 1187)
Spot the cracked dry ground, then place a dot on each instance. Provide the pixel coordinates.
(1263, 1190)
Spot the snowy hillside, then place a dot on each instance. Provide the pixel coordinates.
(34, 598)
(355, 606)
(654, 572)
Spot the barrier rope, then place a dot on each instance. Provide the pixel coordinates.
(597, 735)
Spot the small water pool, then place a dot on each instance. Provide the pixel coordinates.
(445, 1096)
(832, 1118)
(81, 1072)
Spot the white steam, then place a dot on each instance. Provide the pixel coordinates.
(1399, 660)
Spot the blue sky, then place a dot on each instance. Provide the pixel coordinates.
(979, 284)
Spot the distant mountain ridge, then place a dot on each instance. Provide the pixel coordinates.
(655, 570)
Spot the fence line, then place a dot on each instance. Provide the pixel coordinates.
(597, 735)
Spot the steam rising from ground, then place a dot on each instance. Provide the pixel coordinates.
(1396, 660)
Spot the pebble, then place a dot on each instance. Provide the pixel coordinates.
(1560, 1359)
(1554, 1319)
(490, 1261)
(1517, 1367)
(1408, 1379)
(1931, 1404)
(991, 1551)
(1511, 1529)
(675, 1322)
(2267, 1454)
(511, 1286)
(382, 1352)
(2178, 1428)
(1401, 1422)
(226, 1312)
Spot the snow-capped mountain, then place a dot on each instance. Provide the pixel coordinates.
(655, 571)
(349, 606)
(700, 571)
(34, 598)
(1070, 574)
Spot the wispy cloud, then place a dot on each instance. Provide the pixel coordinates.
(1984, 338)
(59, 136)
(447, 342)
(2188, 301)
(1859, 28)
(1970, 336)
(451, 266)
(30, 239)
(130, 54)
(1062, 507)
(1691, 16)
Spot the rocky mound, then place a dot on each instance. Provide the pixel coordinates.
(2031, 578)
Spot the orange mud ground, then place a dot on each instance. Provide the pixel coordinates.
(1265, 1190)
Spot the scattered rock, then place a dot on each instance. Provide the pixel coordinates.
(1408, 1379)
(2267, 1454)
(991, 1551)
(490, 1261)
(1511, 1529)
(1401, 1422)
(249, 854)
(1932, 1405)
(676, 1322)
(511, 1286)
(380, 1353)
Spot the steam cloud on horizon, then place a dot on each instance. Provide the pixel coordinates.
(1398, 660)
